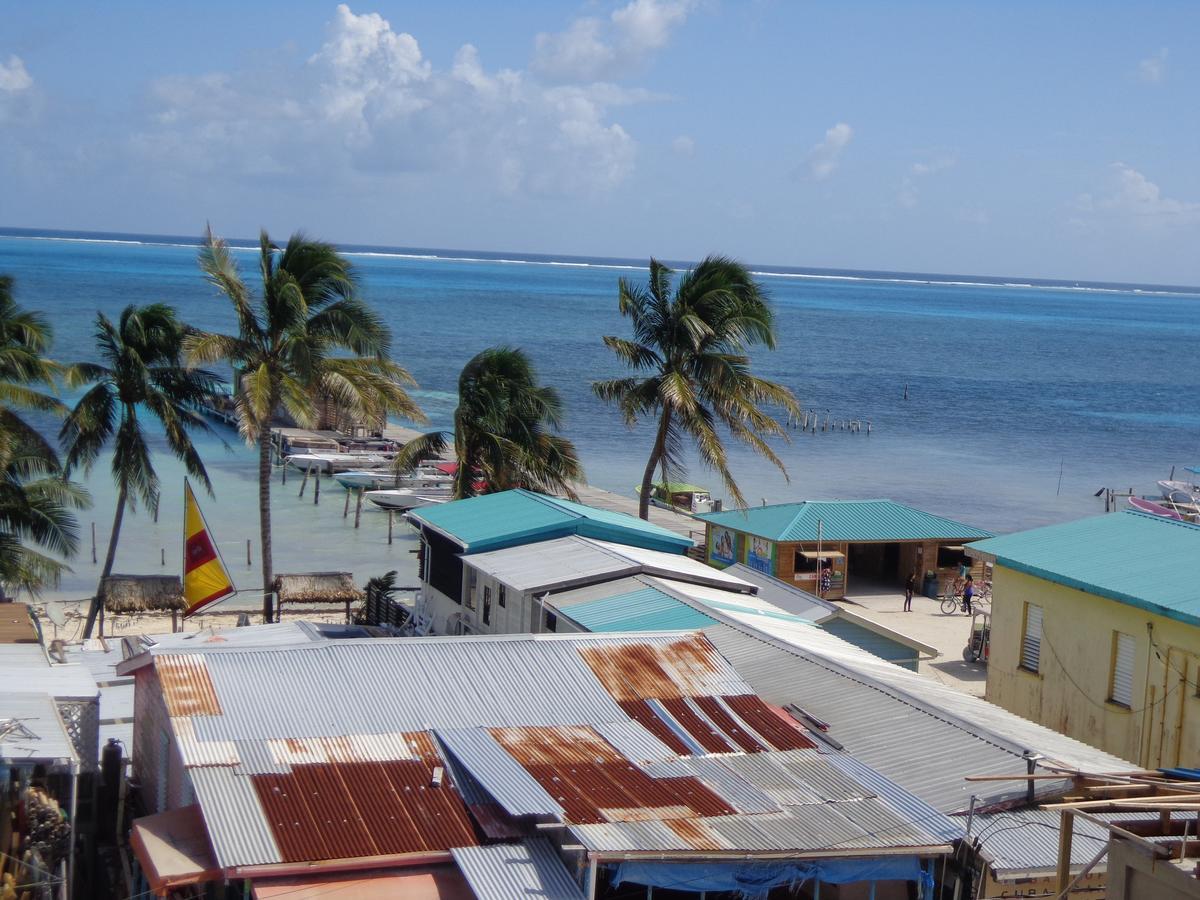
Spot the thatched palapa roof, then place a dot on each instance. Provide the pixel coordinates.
(317, 587)
(142, 593)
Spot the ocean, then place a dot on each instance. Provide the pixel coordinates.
(1024, 396)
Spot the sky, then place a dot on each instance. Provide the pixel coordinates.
(1048, 140)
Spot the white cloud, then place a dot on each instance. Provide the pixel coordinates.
(592, 48)
(684, 145)
(368, 101)
(908, 194)
(1130, 197)
(823, 158)
(14, 78)
(1153, 69)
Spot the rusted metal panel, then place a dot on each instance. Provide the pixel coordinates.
(770, 726)
(640, 711)
(720, 717)
(700, 729)
(186, 685)
(365, 808)
(686, 666)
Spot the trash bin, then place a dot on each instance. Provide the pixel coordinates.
(929, 587)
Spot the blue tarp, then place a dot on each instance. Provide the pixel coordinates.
(755, 880)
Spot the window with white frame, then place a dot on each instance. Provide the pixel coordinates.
(1120, 688)
(1031, 638)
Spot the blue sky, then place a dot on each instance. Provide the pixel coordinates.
(1024, 139)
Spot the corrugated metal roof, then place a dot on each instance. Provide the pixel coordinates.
(27, 665)
(572, 561)
(318, 767)
(784, 596)
(880, 712)
(844, 520)
(234, 817)
(872, 642)
(1093, 555)
(509, 518)
(31, 730)
(525, 871)
(645, 609)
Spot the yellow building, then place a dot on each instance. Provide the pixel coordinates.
(1095, 633)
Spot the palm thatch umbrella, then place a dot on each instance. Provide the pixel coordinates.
(318, 587)
(125, 594)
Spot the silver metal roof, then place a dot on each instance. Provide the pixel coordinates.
(785, 596)
(892, 718)
(498, 773)
(573, 561)
(28, 666)
(32, 731)
(234, 817)
(525, 871)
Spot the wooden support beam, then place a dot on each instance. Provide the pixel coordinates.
(1066, 829)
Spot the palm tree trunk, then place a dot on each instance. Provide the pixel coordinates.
(109, 559)
(264, 520)
(660, 442)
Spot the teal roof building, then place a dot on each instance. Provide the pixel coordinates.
(1132, 557)
(852, 521)
(512, 518)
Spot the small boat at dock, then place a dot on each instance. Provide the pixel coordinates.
(329, 463)
(1154, 509)
(371, 480)
(404, 499)
(677, 495)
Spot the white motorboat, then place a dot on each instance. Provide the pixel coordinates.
(338, 462)
(376, 480)
(678, 496)
(407, 498)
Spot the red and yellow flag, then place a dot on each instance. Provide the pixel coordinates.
(205, 578)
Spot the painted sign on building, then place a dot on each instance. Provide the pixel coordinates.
(761, 555)
(724, 546)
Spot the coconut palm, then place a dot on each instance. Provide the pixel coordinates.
(37, 528)
(24, 339)
(307, 337)
(141, 371)
(689, 350)
(502, 430)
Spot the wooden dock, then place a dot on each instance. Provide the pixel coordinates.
(678, 522)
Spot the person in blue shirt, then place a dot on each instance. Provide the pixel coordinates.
(968, 593)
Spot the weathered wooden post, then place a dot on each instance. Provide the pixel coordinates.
(93, 543)
(317, 490)
(346, 505)
(391, 520)
(358, 508)
(248, 563)
(304, 481)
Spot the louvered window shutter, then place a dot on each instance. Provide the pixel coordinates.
(1031, 643)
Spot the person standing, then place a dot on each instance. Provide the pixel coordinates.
(909, 587)
(967, 594)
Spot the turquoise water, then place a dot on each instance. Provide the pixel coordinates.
(1009, 386)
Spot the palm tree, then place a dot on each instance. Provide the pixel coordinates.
(694, 375)
(24, 339)
(502, 431)
(36, 504)
(35, 500)
(306, 337)
(141, 368)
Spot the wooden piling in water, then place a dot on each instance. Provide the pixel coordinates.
(317, 490)
(163, 552)
(93, 543)
(391, 520)
(283, 478)
(346, 506)
(304, 481)
(248, 563)
(358, 508)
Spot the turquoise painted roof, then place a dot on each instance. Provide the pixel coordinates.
(843, 520)
(647, 609)
(510, 518)
(1131, 557)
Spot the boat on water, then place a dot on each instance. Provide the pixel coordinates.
(1154, 509)
(328, 463)
(404, 499)
(680, 496)
(371, 480)
(1175, 486)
